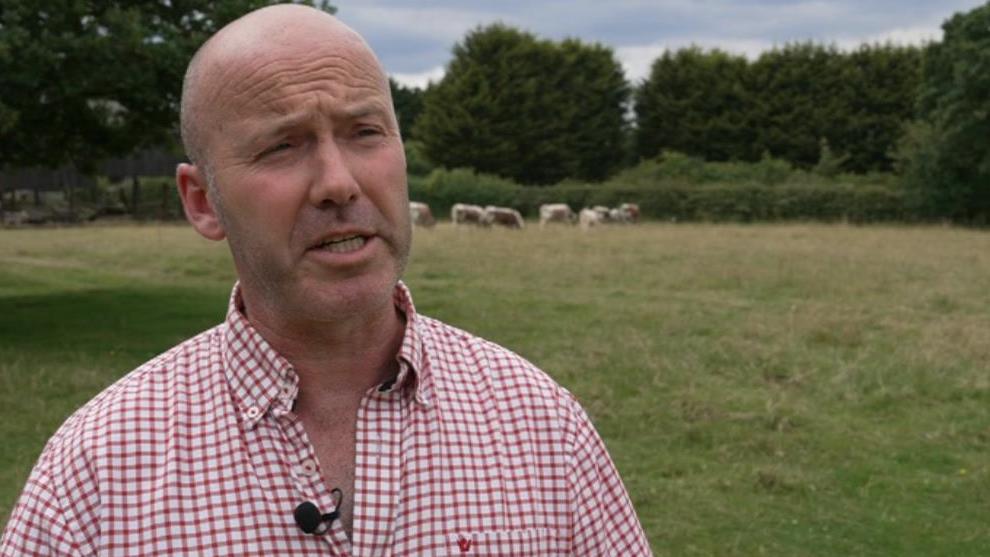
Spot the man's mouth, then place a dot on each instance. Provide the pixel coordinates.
(342, 245)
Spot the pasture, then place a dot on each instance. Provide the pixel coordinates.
(764, 390)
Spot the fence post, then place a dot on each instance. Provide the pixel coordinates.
(164, 215)
(135, 195)
(70, 178)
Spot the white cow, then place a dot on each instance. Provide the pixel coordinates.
(502, 216)
(588, 218)
(462, 213)
(421, 215)
(604, 213)
(556, 212)
(616, 215)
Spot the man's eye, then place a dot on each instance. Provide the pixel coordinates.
(369, 132)
(276, 148)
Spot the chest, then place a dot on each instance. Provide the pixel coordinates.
(420, 482)
(331, 429)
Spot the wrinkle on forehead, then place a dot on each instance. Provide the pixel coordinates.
(272, 83)
(277, 52)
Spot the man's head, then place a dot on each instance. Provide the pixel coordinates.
(297, 161)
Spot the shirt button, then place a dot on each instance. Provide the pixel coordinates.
(308, 467)
(287, 392)
(253, 412)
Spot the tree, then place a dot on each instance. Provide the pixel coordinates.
(408, 102)
(945, 155)
(527, 109)
(596, 93)
(720, 107)
(800, 96)
(882, 89)
(83, 81)
(695, 102)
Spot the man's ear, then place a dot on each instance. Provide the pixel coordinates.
(193, 190)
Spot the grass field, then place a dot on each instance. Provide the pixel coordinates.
(765, 390)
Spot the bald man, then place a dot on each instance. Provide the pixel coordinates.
(324, 416)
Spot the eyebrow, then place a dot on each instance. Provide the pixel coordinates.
(364, 108)
(277, 126)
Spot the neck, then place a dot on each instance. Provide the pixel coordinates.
(339, 356)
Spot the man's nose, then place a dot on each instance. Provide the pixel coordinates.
(333, 181)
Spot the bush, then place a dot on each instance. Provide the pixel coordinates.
(443, 188)
(676, 187)
(671, 165)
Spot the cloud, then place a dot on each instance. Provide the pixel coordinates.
(636, 60)
(414, 38)
(419, 79)
(903, 36)
(445, 25)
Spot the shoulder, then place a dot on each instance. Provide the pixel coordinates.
(120, 431)
(137, 402)
(463, 364)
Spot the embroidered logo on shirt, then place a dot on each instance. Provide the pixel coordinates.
(464, 544)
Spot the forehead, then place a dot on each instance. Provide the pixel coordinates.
(260, 77)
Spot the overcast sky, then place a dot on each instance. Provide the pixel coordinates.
(413, 38)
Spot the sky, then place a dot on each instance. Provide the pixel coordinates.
(414, 38)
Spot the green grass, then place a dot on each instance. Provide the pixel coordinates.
(764, 390)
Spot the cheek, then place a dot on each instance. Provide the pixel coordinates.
(385, 184)
(263, 206)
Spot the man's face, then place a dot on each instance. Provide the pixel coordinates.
(309, 180)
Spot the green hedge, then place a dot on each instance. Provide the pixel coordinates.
(744, 202)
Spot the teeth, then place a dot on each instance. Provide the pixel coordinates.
(344, 245)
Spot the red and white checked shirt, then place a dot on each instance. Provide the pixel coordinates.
(471, 451)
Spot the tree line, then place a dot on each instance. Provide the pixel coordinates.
(548, 111)
(540, 112)
(86, 81)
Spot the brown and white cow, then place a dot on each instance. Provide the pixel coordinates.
(556, 212)
(462, 213)
(421, 215)
(502, 216)
(631, 211)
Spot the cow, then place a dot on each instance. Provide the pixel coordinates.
(14, 218)
(588, 218)
(604, 213)
(462, 213)
(421, 215)
(623, 214)
(631, 210)
(556, 212)
(617, 215)
(502, 216)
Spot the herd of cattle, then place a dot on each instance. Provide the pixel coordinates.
(462, 213)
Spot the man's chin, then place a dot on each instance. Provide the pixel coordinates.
(359, 296)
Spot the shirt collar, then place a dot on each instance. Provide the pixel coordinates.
(261, 378)
(414, 376)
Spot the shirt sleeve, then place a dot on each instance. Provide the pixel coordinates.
(603, 520)
(42, 522)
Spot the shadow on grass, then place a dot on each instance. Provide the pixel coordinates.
(132, 322)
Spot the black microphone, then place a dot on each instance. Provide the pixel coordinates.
(309, 518)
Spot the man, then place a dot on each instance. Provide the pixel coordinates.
(324, 416)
